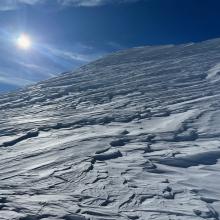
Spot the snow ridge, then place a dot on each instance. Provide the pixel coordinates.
(135, 135)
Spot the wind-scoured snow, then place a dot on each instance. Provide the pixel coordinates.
(135, 135)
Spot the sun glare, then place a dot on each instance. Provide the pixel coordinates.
(24, 42)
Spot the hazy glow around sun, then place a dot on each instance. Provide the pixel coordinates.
(24, 42)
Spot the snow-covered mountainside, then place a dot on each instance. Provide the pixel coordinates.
(135, 135)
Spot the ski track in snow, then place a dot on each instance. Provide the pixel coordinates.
(135, 135)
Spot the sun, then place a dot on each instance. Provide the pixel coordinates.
(24, 42)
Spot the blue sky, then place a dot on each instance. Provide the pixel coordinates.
(68, 33)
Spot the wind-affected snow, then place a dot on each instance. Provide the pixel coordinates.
(135, 135)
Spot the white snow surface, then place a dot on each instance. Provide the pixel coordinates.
(135, 135)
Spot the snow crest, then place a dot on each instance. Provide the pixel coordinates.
(135, 135)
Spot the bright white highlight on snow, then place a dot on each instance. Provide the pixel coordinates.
(24, 42)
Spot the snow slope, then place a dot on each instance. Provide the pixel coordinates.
(135, 135)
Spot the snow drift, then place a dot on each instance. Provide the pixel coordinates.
(135, 135)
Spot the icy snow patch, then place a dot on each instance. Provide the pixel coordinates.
(214, 73)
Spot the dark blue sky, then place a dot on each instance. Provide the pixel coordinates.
(70, 33)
